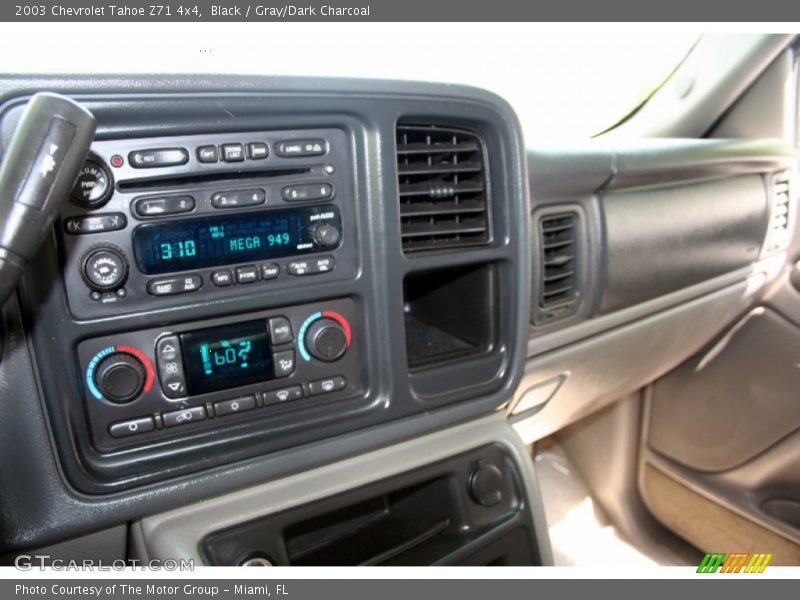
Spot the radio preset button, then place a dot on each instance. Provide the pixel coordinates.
(270, 271)
(222, 278)
(238, 198)
(95, 224)
(158, 157)
(257, 151)
(326, 386)
(305, 192)
(280, 330)
(300, 148)
(284, 395)
(248, 274)
(131, 427)
(284, 362)
(174, 285)
(232, 152)
(207, 154)
(182, 417)
(237, 405)
(168, 205)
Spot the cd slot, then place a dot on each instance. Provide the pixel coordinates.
(179, 181)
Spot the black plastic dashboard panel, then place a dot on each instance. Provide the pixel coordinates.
(62, 463)
(663, 214)
(666, 238)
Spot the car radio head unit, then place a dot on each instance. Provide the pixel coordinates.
(162, 222)
(216, 241)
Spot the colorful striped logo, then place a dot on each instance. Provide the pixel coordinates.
(734, 563)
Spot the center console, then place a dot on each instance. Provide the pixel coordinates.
(254, 279)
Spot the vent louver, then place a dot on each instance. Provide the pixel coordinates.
(443, 188)
(778, 232)
(558, 284)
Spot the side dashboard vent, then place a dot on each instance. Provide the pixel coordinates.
(559, 267)
(444, 192)
(778, 230)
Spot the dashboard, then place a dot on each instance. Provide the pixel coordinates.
(248, 266)
(259, 278)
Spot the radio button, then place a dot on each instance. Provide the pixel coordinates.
(174, 285)
(277, 396)
(159, 157)
(95, 224)
(270, 271)
(169, 205)
(326, 386)
(238, 198)
(280, 330)
(300, 148)
(323, 264)
(237, 405)
(257, 151)
(310, 191)
(248, 274)
(131, 427)
(284, 363)
(232, 152)
(222, 278)
(207, 154)
(300, 267)
(181, 417)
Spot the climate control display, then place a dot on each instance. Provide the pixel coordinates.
(227, 356)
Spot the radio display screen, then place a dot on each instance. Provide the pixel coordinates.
(190, 244)
(228, 356)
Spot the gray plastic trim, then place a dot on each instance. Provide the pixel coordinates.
(605, 367)
(757, 274)
(177, 533)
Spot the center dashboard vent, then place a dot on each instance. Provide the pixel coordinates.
(559, 272)
(443, 188)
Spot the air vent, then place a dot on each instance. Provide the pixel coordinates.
(778, 232)
(443, 188)
(558, 283)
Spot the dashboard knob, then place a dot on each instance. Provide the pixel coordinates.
(105, 268)
(485, 484)
(120, 377)
(327, 235)
(94, 186)
(326, 340)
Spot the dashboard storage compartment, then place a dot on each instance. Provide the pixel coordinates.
(449, 313)
(469, 509)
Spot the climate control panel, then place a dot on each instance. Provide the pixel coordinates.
(143, 385)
